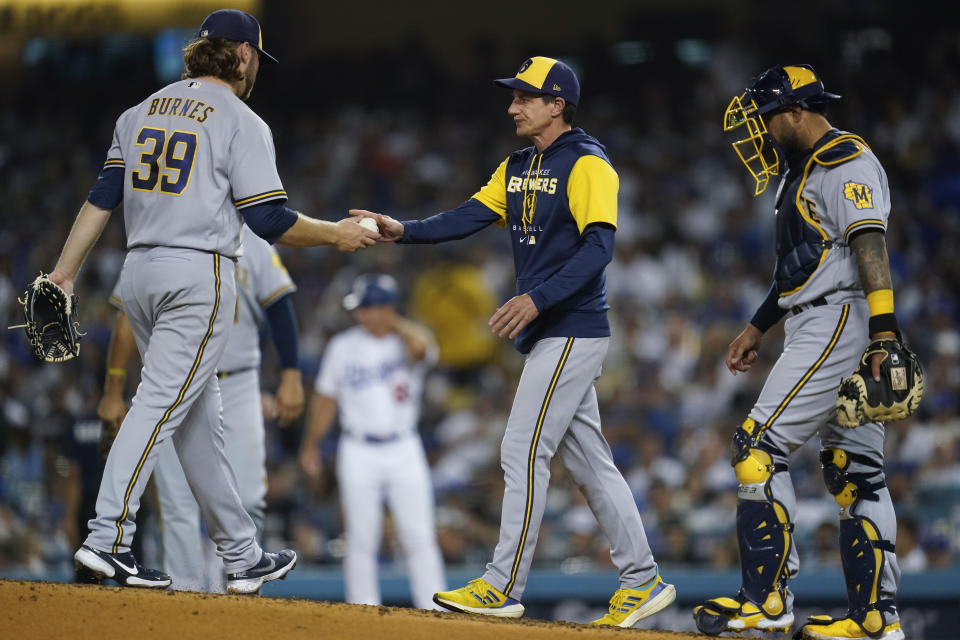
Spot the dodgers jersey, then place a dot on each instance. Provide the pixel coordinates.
(835, 190)
(193, 155)
(261, 280)
(375, 383)
(547, 200)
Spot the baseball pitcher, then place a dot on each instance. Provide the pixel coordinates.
(191, 164)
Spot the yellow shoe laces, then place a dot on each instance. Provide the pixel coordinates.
(617, 600)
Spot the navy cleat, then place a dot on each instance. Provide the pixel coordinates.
(93, 566)
(272, 566)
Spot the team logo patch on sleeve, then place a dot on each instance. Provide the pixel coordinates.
(859, 194)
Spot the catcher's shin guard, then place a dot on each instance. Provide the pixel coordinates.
(861, 554)
(764, 532)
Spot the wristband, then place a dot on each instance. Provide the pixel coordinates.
(881, 312)
(880, 302)
(883, 322)
(113, 371)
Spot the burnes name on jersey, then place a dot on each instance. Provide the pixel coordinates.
(197, 110)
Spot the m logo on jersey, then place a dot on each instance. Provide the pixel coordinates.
(859, 194)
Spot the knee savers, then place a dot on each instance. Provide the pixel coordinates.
(756, 467)
(751, 464)
(848, 487)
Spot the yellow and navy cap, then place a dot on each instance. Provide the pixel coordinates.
(236, 25)
(545, 75)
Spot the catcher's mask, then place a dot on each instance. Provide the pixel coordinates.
(775, 89)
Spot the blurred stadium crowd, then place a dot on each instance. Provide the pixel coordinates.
(693, 259)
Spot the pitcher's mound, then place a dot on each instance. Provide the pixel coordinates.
(45, 610)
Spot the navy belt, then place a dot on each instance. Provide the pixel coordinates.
(804, 306)
(224, 374)
(372, 439)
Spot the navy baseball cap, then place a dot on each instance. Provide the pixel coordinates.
(233, 24)
(371, 290)
(545, 75)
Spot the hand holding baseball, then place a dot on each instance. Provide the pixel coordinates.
(351, 236)
(390, 229)
(742, 352)
(369, 223)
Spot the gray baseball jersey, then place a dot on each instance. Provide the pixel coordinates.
(194, 156)
(841, 189)
(261, 280)
(838, 203)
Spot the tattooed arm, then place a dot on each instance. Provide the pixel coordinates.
(870, 248)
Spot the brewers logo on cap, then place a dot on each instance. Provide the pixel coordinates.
(545, 75)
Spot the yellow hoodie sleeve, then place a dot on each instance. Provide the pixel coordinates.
(592, 192)
(494, 194)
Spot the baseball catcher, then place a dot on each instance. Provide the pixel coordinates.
(882, 393)
(833, 291)
(50, 320)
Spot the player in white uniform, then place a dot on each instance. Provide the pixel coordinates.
(263, 298)
(191, 164)
(373, 373)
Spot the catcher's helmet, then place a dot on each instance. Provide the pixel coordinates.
(371, 290)
(776, 88)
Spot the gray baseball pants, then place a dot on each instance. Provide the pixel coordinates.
(179, 304)
(821, 347)
(555, 411)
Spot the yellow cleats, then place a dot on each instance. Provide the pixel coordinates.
(845, 629)
(629, 606)
(481, 598)
(718, 615)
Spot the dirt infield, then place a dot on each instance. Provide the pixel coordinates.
(51, 610)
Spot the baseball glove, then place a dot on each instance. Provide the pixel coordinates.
(861, 399)
(50, 321)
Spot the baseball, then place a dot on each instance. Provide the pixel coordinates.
(369, 223)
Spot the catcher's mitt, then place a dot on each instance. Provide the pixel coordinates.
(861, 399)
(50, 320)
